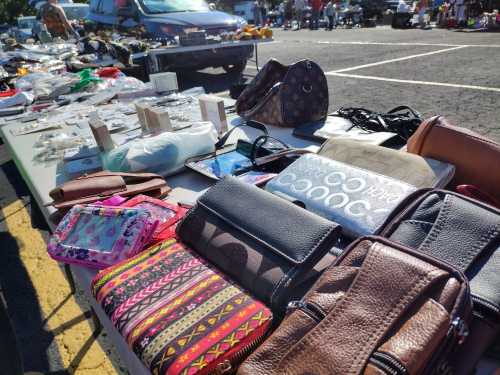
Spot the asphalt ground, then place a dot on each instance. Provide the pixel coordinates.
(435, 71)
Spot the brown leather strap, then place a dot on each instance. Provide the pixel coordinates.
(388, 282)
(121, 174)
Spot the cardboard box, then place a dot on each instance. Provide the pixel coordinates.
(212, 109)
(101, 133)
(158, 120)
(164, 82)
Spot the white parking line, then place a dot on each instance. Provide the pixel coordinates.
(396, 60)
(471, 87)
(409, 44)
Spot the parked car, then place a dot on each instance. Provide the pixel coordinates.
(166, 19)
(24, 28)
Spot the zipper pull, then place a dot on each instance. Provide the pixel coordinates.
(459, 329)
(223, 368)
(295, 305)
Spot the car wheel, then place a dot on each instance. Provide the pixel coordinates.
(237, 68)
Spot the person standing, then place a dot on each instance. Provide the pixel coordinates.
(330, 14)
(422, 9)
(54, 18)
(299, 6)
(288, 14)
(316, 6)
(257, 13)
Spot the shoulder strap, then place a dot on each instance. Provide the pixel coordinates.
(388, 282)
(461, 222)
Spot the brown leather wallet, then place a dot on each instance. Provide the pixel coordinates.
(475, 157)
(380, 309)
(101, 185)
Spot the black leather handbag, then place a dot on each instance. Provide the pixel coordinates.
(465, 233)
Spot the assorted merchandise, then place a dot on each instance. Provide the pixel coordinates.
(346, 261)
(285, 96)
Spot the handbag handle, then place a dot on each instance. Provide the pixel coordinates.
(250, 123)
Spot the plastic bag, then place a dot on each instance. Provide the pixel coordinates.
(165, 153)
(87, 77)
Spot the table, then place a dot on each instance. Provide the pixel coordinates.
(153, 54)
(43, 177)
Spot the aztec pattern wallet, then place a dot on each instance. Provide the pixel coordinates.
(357, 199)
(180, 315)
(99, 236)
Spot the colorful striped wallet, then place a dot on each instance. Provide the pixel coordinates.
(180, 315)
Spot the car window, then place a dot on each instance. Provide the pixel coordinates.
(26, 23)
(108, 7)
(76, 13)
(94, 5)
(171, 6)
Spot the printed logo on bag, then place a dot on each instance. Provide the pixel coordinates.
(357, 199)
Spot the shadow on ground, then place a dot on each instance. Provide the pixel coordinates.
(35, 341)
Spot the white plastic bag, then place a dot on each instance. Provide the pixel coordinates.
(165, 153)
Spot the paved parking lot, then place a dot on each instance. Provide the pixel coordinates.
(436, 72)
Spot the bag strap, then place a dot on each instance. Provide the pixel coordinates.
(250, 123)
(388, 282)
(456, 224)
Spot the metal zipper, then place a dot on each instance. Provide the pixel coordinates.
(488, 305)
(229, 365)
(388, 364)
(311, 309)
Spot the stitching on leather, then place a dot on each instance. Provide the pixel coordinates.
(438, 225)
(479, 246)
(405, 299)
(418, 223)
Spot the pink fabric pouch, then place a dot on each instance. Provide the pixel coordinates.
(100, 236)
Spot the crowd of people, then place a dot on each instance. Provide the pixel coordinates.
(298, 14)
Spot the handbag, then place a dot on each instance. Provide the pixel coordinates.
(380, 309)
(357, 199)
(99, 236)
(285, 96)
(470, 153)
(266, 244)
(410, 168)
(101, 185)
(178, 313)
(466, 234)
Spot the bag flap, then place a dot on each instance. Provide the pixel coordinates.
(460, 231)
(89, 186)
(282, 227)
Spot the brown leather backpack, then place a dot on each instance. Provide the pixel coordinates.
(381, 309)
(285, 96)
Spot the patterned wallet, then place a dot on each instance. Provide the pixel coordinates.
(99, 236)
(180, 315)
